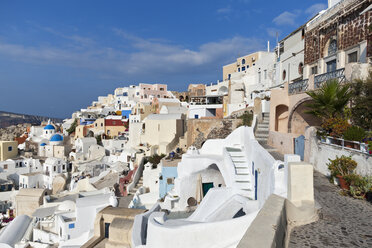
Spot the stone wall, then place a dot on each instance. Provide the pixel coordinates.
(347, 25)
(199, 130)
(319, 154)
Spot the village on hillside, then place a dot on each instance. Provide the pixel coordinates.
(247, 161)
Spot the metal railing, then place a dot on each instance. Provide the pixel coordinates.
(298, 86)
(337, 74)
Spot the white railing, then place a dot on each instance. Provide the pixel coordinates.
(346, 144)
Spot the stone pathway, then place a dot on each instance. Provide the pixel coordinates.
(343, 221)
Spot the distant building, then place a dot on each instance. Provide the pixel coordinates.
(150, 91)
(8, 149)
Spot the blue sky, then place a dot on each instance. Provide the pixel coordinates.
(58, 56)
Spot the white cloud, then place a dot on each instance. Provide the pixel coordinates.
(286, 18)
(273, 32)
(225, 10)
(141, 58)
(315, 9)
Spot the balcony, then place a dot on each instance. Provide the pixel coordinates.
(298, 86)
(337, 74)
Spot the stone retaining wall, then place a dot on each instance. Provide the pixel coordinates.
(199, 130)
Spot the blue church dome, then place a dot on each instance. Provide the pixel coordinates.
(42, 144)
(49, 127)
(56, 137)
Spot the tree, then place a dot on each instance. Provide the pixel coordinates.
(361, 103)
(72, 127)
(330, 100)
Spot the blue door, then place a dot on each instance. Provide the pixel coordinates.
(299, 146)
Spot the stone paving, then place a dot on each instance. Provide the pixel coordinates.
(343, 221)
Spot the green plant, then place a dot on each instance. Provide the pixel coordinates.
(246, 119)
(354, 133)
(73, 127)
(341, 166)
(361, 102)
(330, 100)
(335, 126)
(359, 186)
(155, 159)
(99, 139)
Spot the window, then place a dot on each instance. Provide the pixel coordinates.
(352, 57)
(314, 70)
(96, 125)
(303, 34)
(284, 75)
(5, 166)
(161, 89)
(331, 65)
(243, 68)
(247, 66)
(332, 48)
(239, 69)
(63, 167)
(101, 124)
(259, 77)
(10, 148)
(265, 74)
(243, 61)
(229, 76)
(253, 64)
(54, 168)
(170, 180)
(71, 226)
(145, 96)
(301, 68)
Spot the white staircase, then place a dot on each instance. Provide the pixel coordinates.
(262, 131)
(262, 135)
(243, 176)
(138, 185)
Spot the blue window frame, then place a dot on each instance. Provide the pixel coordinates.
(10, 148)
(71, 226)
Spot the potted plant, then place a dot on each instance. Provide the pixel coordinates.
(360, 187)
(354, 133)
(340, 167)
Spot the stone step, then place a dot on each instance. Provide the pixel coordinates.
(261, 139)
(243, 186)
(271, 149)
(236, 154)
(242, 171)
(262, 136)
(242, 178)
(262, 130)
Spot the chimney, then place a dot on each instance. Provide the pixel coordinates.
(268, 46)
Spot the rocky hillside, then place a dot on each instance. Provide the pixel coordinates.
(8, 119)
(11, 132)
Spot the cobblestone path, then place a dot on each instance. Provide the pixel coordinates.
(343, 221)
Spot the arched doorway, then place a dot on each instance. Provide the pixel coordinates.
(298, 120)
(281, 118)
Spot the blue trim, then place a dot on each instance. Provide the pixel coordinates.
(255, 184)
